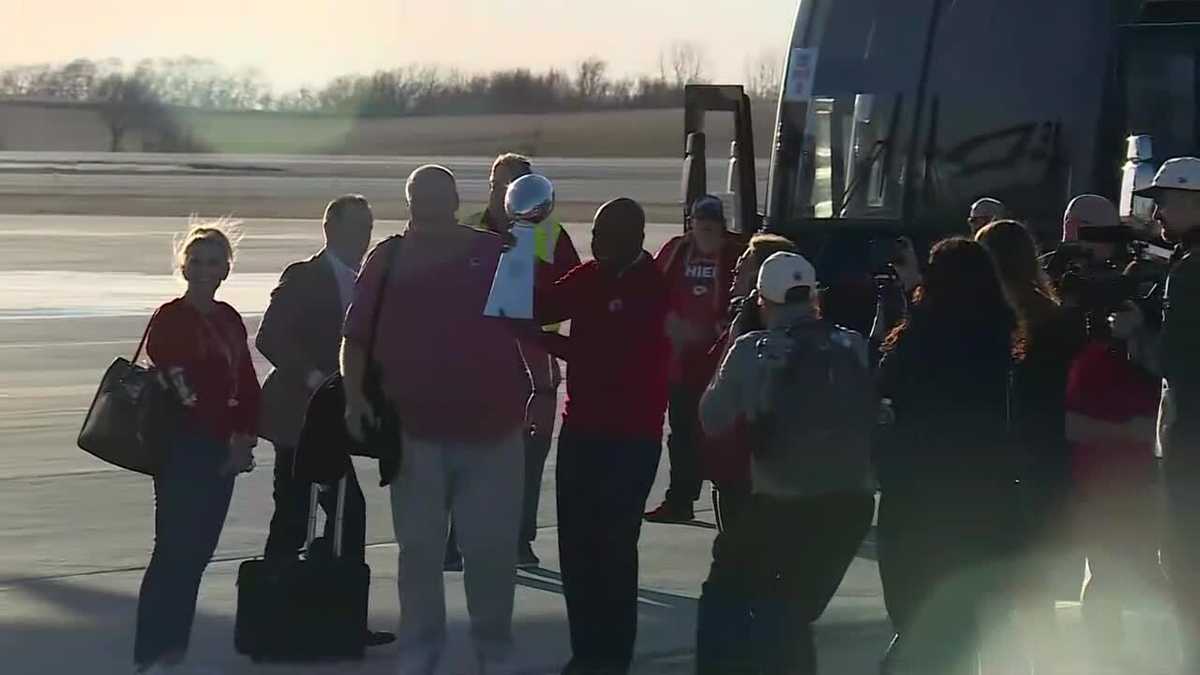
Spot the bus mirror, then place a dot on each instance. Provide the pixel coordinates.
(695, 171)
(731, 187)
(1139, 148)
(1138, 173)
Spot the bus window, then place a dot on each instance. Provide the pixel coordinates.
(1161, 81)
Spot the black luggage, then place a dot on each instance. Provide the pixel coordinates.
(311, 609)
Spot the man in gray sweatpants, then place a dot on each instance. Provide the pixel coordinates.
(463, 414)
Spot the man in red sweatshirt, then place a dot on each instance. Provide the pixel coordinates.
(611, 436)
(698, 270)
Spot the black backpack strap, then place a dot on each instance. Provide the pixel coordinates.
(383, 286)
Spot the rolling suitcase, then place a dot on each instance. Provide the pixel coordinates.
(311, 609)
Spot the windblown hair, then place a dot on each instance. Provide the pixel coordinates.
(1025, 283)
(224, 232)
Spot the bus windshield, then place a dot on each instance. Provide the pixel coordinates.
(1007, 104)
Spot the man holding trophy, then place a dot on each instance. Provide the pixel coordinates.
(616, 398)
(554, 255)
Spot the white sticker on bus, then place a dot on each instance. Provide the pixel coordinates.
(802, 69)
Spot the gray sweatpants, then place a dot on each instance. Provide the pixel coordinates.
(482, 484)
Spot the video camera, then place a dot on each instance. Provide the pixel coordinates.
(1136, 273)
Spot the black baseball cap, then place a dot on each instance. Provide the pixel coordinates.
(708, 207)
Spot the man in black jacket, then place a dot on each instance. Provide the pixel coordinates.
(1176, 192)
(301, 334)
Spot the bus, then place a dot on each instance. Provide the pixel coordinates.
(894, 117)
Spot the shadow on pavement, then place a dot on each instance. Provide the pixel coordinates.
(78, 628)
(649, 602)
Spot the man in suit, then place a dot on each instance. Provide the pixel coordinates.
(301, 334)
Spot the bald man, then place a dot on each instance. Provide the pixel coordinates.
(1088, 211)
(611, 436)
(1074, 255)
(462, 409)
(985, 212)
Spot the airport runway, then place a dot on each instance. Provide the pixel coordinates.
(296, 186)
(74, 293)
(75, 534)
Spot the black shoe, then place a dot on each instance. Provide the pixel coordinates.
(379, 638)
(672, 513)
(527, 559)
(453, 562)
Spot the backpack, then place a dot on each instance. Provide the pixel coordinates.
(823, 396)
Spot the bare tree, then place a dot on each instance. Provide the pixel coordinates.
(682, 62)
(76, 80)
(128, 103)
(591, 80)
(763, 73)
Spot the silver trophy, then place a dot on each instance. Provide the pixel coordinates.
(528, 202)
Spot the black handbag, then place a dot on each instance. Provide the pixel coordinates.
(325, 443)
(130, 420)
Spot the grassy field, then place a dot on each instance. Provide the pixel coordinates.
(639, 133)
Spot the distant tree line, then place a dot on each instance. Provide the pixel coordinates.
(139, 96)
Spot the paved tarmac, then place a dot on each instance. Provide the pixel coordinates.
(76, 290)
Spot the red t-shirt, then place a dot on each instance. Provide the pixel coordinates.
(213, 352)
(617, 352)
(698, 293)
(1105, 386)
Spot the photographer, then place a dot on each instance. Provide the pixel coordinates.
(897, 275)
(1076, 260)
(1176, 192)
(1103, 263)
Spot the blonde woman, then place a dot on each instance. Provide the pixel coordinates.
(201, 343)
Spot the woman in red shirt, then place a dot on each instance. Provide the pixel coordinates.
(200, 343)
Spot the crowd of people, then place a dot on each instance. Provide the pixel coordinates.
(1007, 419)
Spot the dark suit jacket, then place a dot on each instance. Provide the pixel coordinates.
(300, 331)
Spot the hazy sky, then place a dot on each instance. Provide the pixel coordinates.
(309, 41)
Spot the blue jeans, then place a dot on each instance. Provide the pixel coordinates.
(191, 500)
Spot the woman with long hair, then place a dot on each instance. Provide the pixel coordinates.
(1053, 336)
(946, 470)
(200, 343)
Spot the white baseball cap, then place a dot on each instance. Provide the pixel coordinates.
(1181, 173)
(781, 273)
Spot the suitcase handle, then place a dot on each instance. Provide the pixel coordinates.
(338, 516)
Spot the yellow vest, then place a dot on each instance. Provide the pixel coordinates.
(545, 234)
